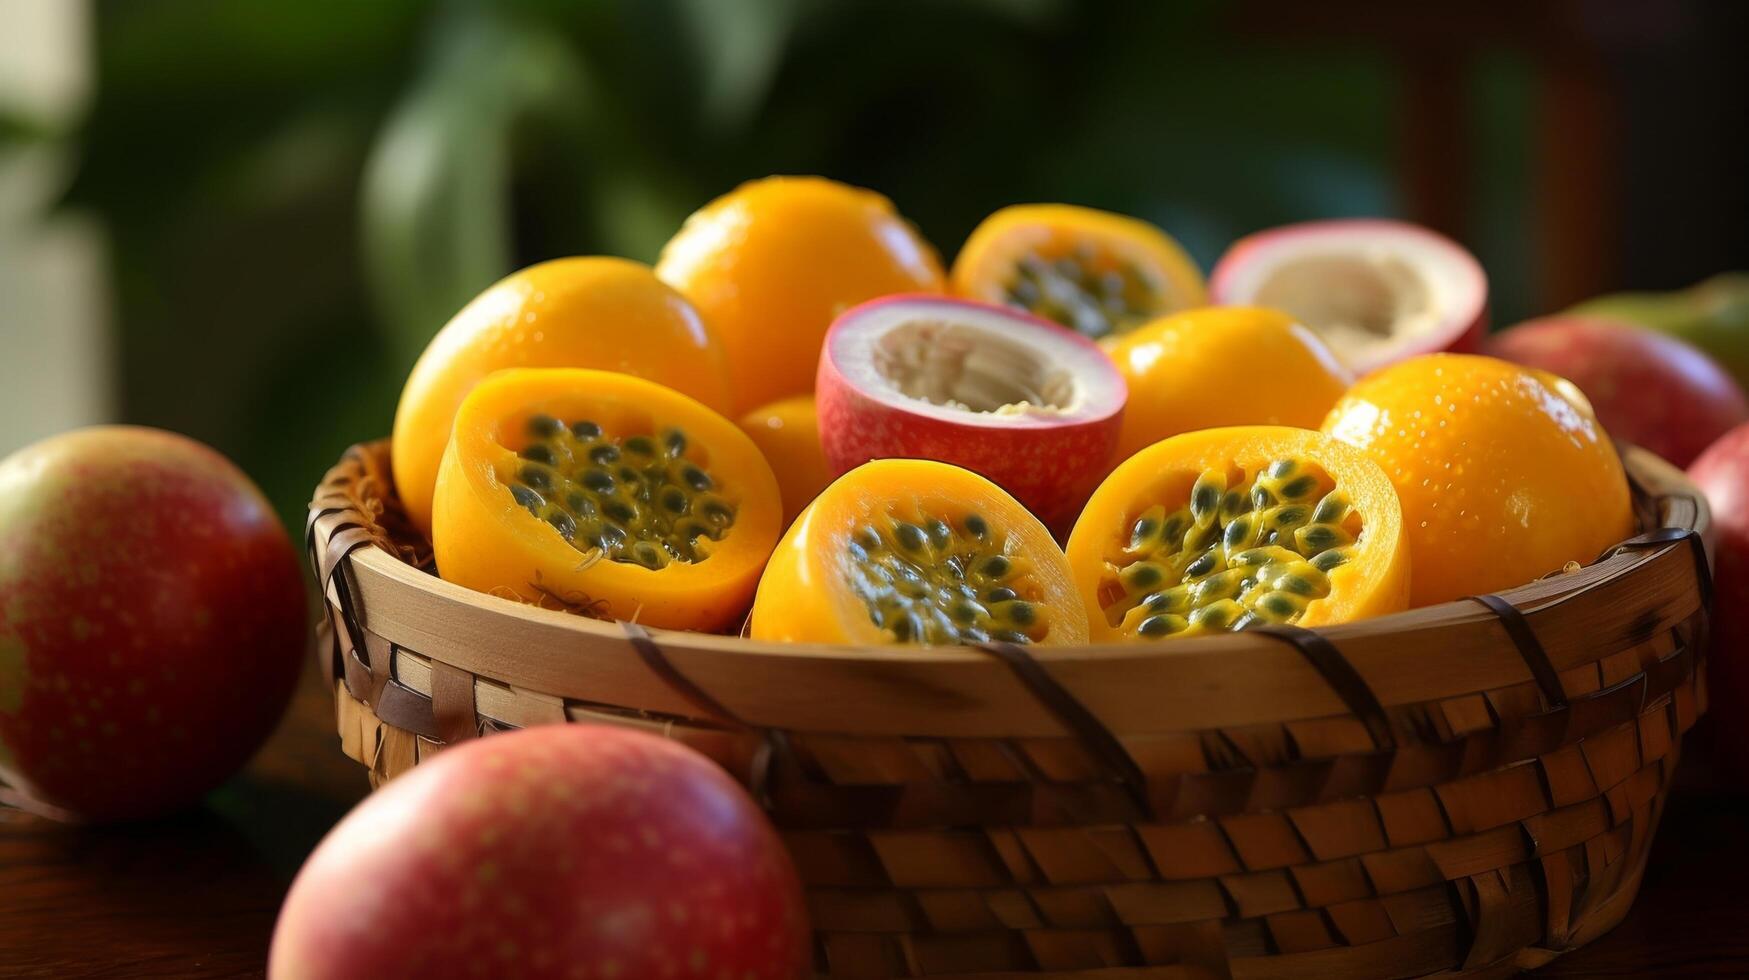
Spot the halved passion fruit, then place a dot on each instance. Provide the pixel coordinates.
(1221, 529)
(1098, 273)
(1377, 291)
(582, 312)
(915, 551)
(1019, 400)
(605, 494)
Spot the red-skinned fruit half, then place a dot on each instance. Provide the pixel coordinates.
(555, 851)
(1030, 406)
(153, 621)
(1722, 472)
(1377, 291)
(1648, 388)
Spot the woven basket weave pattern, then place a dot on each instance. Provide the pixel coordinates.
(1471, 788)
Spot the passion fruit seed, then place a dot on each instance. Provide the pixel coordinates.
(1232, 557)
(653, 508)
(1091, 292)
(938, 582)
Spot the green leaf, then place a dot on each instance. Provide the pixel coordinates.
(436, 195)
(739, 46)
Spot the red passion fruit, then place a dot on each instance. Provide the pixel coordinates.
(1377, 291)
(1648, 388)
(1029, 405)
(152, 621)
(553, 852)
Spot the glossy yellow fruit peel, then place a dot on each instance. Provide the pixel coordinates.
(915, 551)
(771, 263)
(1504, 473)
(1222, 529)
(1220, 366)
(788, 433)
(605, 494)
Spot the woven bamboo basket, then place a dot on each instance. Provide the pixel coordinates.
(1462, 790)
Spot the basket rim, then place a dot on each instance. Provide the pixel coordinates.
(396, 598)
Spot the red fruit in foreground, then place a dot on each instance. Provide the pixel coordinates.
(1649, 388)
(558, 851)
(152, 621)
(1030, 406)
(1377, 291)
(1722, 472)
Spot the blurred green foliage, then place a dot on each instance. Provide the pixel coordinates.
(299, 194)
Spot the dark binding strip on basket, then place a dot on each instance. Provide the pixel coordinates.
(1340, 675)
(347, 535)
(771, 741)
(1670, 535)
(658, 662)
(1703, 573)
(1530, 649)
(1081, 723)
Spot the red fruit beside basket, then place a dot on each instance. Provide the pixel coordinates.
(556, 852)
(152, 621)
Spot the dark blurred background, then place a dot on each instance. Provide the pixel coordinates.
(243, 220)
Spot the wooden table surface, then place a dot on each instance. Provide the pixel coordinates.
(196, 897)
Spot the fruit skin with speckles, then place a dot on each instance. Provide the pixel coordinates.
(153, 621)
(1649, 388)
(1712, 314)
(543, 853)
(1504, 472)
(1722, 472)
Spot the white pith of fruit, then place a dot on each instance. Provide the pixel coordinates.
(1356, 302)
(1372, 291)
(960, 367)
(969, 364)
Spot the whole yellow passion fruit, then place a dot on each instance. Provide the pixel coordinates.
(1503, 471)
(771, 263)
(1223, 365)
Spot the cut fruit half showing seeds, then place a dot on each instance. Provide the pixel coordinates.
(917, 552)
(1094, 272)
(606, 494)
(1223, 529)
(1031, 406)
